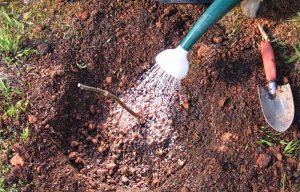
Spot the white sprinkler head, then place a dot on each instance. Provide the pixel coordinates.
(174, 62)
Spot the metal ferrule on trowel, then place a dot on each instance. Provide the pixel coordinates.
(272, 88)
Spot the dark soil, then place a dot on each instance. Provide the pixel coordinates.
(216, 127)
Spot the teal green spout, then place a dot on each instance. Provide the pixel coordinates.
(216, 11)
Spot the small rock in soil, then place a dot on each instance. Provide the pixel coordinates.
(124, 179)
(184, 189)
(95, 140)
(3, 157)
(79, 160)
(203, 50)
(180, 162)
(101, 173)
(5, 145)
(26, 14)
(155, 182)
(16, 160)
(223, 148)
(38, 29)
(222, 102)
(121, 84)
(196, 138)
(74, 144)
(263, 160)
(123, 170)
(226, 137)
(92, 126)
(285, 80)
(93, 109)
(73, 156)
(217, 39)
(158, 24)
(186, 105)
(111, 166)
(94, 13)
(275, 152)
(167, 10)
(17, 147)
(44, 48)
(108, 80)
(32, 119)
(102, 147)
(57, 73)
(82, 16)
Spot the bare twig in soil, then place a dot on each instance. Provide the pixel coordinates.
(110, 95)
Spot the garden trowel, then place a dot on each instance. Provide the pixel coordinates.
(276, 101)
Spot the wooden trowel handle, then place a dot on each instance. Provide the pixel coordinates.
(268, 60)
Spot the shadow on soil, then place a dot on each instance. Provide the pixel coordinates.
(77, 109)
(280, 10)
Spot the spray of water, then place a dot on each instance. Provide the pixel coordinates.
(139, 146)
(152, 98)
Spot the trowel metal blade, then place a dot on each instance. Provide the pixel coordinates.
(279, 111)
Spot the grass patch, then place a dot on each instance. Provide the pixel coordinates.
(62, 20)
(296, 20)
(13, 30)
(6, 89)
(291, 147)
(264, 142)
(25, 133)
(271, 138)
(295, 56)
(13, 188)
(13, 111)
(9, 94)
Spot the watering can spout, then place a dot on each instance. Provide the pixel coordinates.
(174, 61)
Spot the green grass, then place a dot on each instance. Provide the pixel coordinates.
(12, 112)
(294, 57)
(2, 185)
(22, 105)
(13, 188)
(13, 29)
(270, 138)
(283, 181)
(6, 89)
(81, 65)
(291, 147)
(296, 20)
(233, 32)
(264, 142)
(25, 133)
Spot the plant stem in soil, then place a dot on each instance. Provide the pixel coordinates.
(109, 95)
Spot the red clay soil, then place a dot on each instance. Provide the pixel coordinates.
(216, 127)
